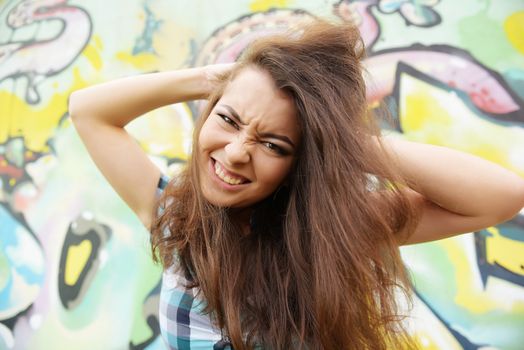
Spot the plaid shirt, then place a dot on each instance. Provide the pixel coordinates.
(183, 325)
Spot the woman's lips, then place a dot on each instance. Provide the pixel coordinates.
(226, 176)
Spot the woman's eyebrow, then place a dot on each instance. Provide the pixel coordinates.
(266, 134)
(234, 113)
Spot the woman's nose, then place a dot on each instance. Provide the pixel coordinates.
(236, 151)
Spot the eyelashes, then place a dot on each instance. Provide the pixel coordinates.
(272, 147)
(229, 121)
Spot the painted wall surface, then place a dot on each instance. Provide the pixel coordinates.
(75, 267)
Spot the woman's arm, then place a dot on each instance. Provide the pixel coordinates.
(100, 113)
(457, 192)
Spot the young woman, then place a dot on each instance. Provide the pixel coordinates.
(283, 230)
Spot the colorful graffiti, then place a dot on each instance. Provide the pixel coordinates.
(75, 267)
(33, 59)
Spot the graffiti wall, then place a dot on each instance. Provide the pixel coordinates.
(75, 266)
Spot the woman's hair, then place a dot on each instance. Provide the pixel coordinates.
(321, 267)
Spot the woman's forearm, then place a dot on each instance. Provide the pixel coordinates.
(459, 182)
(120, 101)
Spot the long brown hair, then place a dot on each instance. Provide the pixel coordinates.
(321, 267)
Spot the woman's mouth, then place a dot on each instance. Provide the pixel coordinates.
(227, 176)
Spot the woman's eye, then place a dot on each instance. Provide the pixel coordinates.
(274, 148)
(228, 120)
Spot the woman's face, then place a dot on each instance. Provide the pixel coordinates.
(248, 143)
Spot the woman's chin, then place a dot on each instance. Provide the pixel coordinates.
(218, 199)
(222, 201)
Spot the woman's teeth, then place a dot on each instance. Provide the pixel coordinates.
(226, 178)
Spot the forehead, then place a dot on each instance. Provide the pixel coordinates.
(258, 102)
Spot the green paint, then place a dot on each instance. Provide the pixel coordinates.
(432, 272)
(515, 79)
(4, 270)
(483, 36)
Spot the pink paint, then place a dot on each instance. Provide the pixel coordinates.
(486, 92)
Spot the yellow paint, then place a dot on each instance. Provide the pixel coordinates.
(467, 297)
(433, 115)
(264, 5)
(144, 61)
(97, 42)
(76, 260)
(173, 50)
(92, 53)
(505, 252)
(465, 279)
(165, 131)
(514, 28)
(35, 123)
(426, 111)
(425, 341)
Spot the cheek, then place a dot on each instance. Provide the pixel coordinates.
(273, 173)
(205, 137)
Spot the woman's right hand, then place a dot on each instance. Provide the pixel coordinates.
(215, 74)
(100, 113)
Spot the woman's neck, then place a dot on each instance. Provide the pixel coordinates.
(242, 217)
